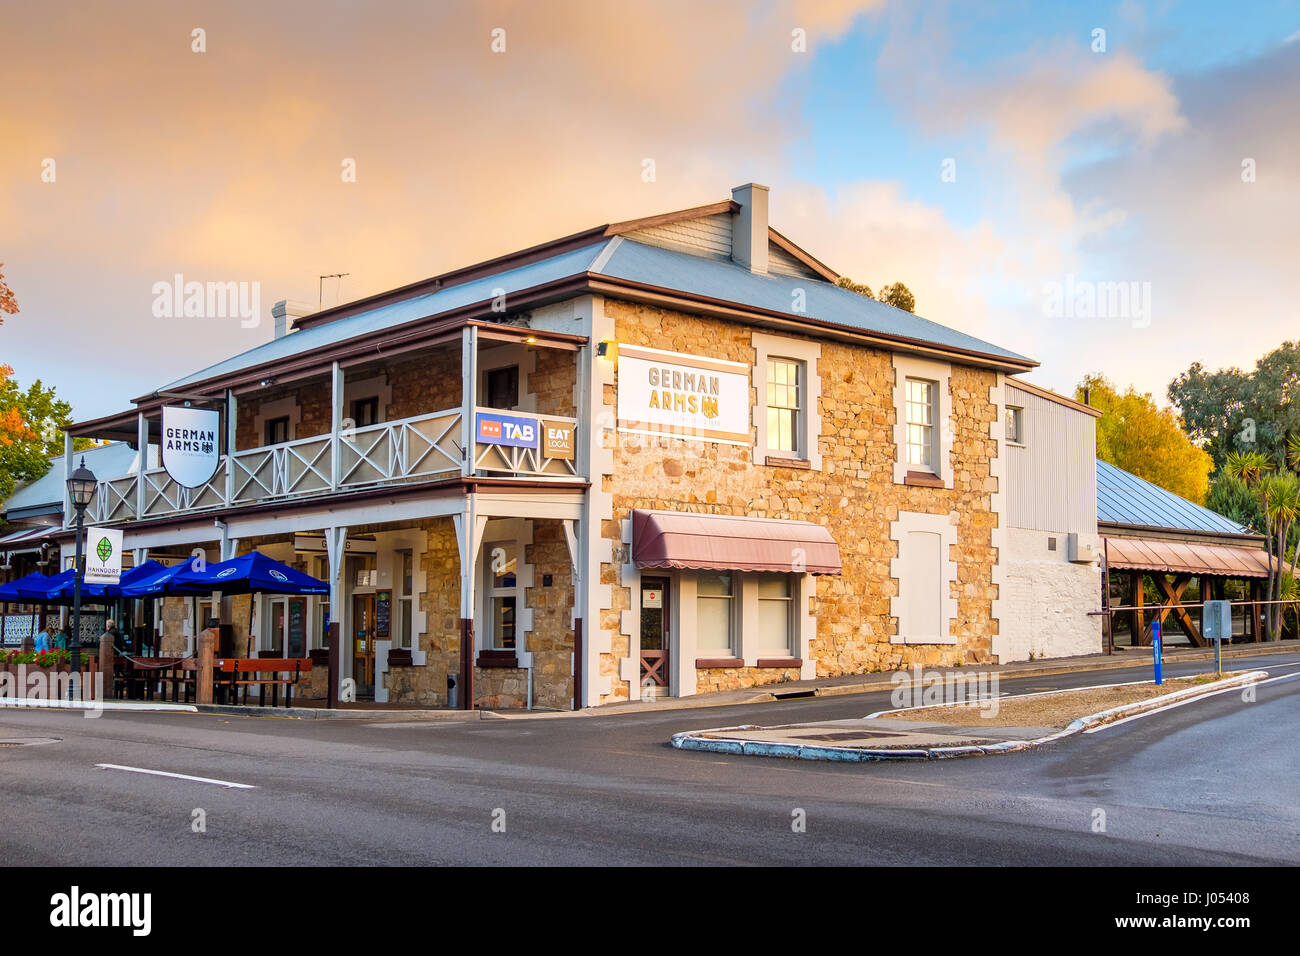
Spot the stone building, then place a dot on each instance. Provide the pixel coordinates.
(664, 456)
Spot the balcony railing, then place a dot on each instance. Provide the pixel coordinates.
(412, 449)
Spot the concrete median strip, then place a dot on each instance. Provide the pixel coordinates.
(911, 743)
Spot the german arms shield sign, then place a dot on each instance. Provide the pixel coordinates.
(190, 449)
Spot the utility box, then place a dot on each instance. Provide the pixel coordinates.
(1084, 548)
(1218, 621)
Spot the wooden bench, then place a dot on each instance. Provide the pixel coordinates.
(236, 674)
(136, 679)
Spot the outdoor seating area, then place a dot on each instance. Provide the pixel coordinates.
(175, 678)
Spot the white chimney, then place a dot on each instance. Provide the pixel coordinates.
(283, 311)
(749, 228)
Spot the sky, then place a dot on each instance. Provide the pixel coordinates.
(1108, 187)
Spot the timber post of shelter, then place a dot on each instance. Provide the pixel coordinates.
(335, 662)
(206, 661)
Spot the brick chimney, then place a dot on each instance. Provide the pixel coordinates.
(749, 228)
(284, 311)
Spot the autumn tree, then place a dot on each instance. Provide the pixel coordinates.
(31, 423)
(8, 302)
(1135, 434)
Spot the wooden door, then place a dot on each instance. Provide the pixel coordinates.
(363, 642)
(655, 620)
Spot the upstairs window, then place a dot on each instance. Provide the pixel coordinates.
(784, 406)
(277, 431)
(365, 412)
(920, 401)
(1015, 425)
(501, 387)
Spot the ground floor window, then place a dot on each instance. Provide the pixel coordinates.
(775, 614)
(714, 613)
(502, 595)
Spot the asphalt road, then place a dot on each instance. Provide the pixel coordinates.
(1210, 783)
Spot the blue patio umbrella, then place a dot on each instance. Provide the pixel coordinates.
(61, 592)
(39, 589)
(130, 576)
(162, 583)
(253, 573)
(10, 591)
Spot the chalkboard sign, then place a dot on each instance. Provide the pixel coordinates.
(297, 627)
(383, 605)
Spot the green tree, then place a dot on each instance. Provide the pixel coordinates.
(1230, 497)
(1148, 441)
(897, 295)
(1278, 494)
(1231, 410)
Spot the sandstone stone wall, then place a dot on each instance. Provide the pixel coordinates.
(550, 641)
(552, 381)
(853, 495)
(708, 679)
(426, 382)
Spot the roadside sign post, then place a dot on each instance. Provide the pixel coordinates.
(1155, 649)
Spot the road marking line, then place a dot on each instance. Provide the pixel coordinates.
(1190, 700)
(178, 776)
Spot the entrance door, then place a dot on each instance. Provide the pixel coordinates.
(363, 643)
(654, 634)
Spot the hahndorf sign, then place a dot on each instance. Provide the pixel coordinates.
(687, 396)
(191, 450)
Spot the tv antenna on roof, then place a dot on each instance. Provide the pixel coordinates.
(320, 290)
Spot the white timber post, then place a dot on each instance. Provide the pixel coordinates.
(336, 428)
(336, 543)
(142, 442)
(232, 428)
(469, 395)
(68, 467)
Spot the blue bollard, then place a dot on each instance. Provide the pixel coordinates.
(1155, 649)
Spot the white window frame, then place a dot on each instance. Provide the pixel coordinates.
(491, 593)
(519, 532)
(269, 411)
(928, 447)
(791, 602)
(1019, 439)
(733, 617)
(808, 355)
(404, 599)
(907, 367)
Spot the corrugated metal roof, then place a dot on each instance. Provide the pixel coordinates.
(106, 461)
(622, 258)
(408, 310)
(1149, 554)
(1124, 498)
(821, 300)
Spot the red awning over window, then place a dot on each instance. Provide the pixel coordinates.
(674, 539)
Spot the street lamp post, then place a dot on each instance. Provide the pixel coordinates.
(81, 488)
